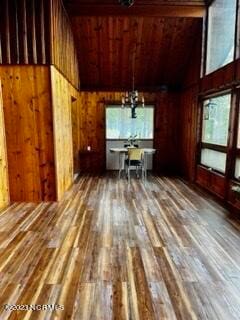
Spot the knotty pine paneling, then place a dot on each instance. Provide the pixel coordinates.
(62, 94)
(29, 132)
(92, 127)
(4, 186)
(166, 134)
(24, 32)
(76, 110)
(212, 181)
(63, 53)
(189, 111)
(38, 32)
(188, 117)
(107, 45)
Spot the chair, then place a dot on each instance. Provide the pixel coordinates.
(135, 159)
(127, 145)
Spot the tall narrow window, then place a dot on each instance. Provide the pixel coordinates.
(215, 124)
(220, 34)
(237, 163)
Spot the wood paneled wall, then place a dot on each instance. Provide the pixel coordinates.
(38, 32)
(24, 32)
(76, 112)
(63, 53)
(29, 132)
(212, 181)
(166, 134)
(62, 94)
(91, 121)
(188, 114)
(188, 118)
(4, 187)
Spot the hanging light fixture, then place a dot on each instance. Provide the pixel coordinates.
(131, 98)
(126, 3)
(209, 107)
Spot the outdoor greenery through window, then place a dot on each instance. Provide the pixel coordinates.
(237, 163)
(120, 125)
(221, 34)
(216, 120)
(215, 125)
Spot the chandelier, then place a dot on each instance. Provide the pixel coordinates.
(127, 3)
(131, 98)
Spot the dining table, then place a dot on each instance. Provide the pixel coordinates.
(122, 152)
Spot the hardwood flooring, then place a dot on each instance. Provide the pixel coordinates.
(110, 250)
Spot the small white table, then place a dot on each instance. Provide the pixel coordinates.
(124, 151)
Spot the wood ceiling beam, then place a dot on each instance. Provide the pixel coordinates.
(193, 11)
(171, 88)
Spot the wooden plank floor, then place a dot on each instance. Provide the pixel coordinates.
(111, 250)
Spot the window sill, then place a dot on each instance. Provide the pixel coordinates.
(214, 171)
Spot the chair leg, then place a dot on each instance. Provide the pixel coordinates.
(128, 174)
(119, 163)
(142, 173)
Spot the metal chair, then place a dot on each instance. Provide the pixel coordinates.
(135, 159)
(129, 145)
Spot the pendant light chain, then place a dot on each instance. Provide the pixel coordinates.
(131, 97)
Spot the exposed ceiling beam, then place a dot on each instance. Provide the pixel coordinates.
(161, 88)
(194, 11)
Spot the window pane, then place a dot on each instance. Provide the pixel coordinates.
(238, 136)
(213, 159)
(216, 120)
(120, 125)
(221, 33)
(237, 168)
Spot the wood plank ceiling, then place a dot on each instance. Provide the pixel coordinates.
(108, 44)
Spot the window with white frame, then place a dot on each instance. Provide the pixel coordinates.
(220, 34)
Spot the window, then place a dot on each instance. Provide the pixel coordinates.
(237, 163)
(216, 119)
(213, 159)
(221, 34)
(120, 125)
(237, 168)
(215, 125)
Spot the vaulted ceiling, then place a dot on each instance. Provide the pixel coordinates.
(160, 42)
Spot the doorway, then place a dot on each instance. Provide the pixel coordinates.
(75, 135)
